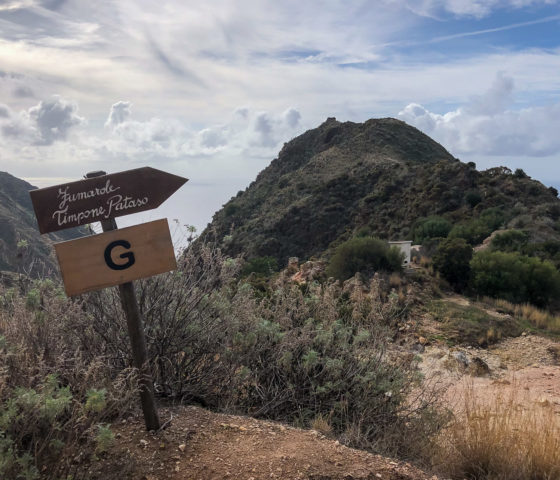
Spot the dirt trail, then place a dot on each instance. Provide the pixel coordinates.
(199, 444)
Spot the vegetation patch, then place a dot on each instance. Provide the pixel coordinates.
(364, 255)
(471, 325)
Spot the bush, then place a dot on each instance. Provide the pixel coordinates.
(431, 227)
(473, 198)
(514, 277)
(365, 255)
(476, 230)
(54, 390)
(309, 355)
(473, 231)
(261, 266)
(452, 261)
(295, 355)
(510, 241)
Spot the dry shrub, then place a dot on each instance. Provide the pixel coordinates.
(501, 439)
(53, 394)
(186, 324)
(290, 353)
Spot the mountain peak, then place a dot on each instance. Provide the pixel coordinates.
(341, 178)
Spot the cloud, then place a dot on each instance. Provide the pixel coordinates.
(54, 118)
(23, 91)
(495, 100)
(291, 117)
(486, 125)
(4, 111)
(467, 8)
(245, 130)
(120, 112)
(49, 121)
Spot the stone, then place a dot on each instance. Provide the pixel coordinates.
(479, 367)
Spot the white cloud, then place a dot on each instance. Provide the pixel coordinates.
(120, 112)
(487, 126)
(466, 8)
(49, 121)
(170, 139)
(54, 118)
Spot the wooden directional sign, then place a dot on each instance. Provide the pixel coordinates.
(115, 257)
(103, 197)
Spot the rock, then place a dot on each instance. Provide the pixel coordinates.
(461, 358)
(478, 367)
(182, 447)
(143, 443)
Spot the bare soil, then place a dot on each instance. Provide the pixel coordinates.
(525, 368)
(198, 444)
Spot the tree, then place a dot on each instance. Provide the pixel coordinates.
(431, 227)
(509, 241)
(452, 260)
(514, 277)
(365, 255)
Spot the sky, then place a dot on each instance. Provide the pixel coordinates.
(212, 90)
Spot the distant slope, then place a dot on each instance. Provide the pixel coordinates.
(22, 248)
(380, 177)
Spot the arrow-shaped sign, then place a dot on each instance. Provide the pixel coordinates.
(100, 198)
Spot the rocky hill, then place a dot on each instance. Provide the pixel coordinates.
(380, 177)
(22, 248)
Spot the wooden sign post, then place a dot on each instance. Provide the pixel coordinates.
(115, 257)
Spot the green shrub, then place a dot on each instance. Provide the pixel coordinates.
(311, 354)
(514, 277)
(452, 261)
(262, 266)
(473, 231)
(365, 255)
(510, 241)
(473, 198)
(476, 230)
(431, 227)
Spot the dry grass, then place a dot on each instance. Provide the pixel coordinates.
(395, 280)
(501, 439)
(539, 318)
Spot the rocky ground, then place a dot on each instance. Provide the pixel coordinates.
(198, 444)
(526, 367)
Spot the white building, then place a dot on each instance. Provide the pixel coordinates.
(405, 247)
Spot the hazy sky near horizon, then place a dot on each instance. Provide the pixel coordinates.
(212, 90)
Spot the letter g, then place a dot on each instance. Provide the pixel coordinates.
(127, 255)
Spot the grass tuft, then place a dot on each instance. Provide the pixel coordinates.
(502, 439)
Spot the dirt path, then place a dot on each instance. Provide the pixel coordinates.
(202, 445)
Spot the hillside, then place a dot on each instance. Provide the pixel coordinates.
(380, 177)
(22, 248)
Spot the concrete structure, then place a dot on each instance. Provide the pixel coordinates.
(405, 247)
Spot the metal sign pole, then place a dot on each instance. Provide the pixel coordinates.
(137, 338)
